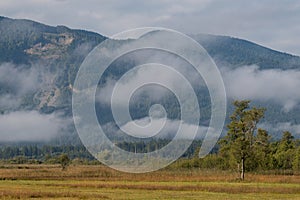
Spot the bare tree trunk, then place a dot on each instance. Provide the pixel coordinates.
(243, 169)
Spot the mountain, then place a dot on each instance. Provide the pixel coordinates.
(57, 51)
(38, 66)
(237, 52)
(23, 41)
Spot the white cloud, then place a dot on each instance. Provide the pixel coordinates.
(168, 130)
(137, 79)
(18, 78)
(175, 78)
(281, 127)
(30, 126)
(18, 81)
(249, 82)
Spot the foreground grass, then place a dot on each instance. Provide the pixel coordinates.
(99, 182)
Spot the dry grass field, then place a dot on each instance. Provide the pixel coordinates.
(100, 182)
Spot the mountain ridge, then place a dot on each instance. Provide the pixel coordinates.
(57, 53)
(232, 46)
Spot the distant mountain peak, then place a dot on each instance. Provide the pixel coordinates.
(236, 52)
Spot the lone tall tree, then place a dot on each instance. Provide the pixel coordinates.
(240, 139)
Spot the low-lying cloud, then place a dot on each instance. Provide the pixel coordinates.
(249, 82)
(136, 80)
(281, 127)
(169, 129)
(151, 73)
(17, 81)
(246, 82)
(17, 123)
(29, 126)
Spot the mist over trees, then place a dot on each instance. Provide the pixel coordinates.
(245, 148)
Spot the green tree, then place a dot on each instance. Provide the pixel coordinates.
(285, 151)
(261, 149)
(64, 161)
(240, 139)
(296, 161)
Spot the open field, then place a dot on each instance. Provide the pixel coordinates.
(99, 182)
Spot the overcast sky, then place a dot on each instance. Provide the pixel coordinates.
(273, 23)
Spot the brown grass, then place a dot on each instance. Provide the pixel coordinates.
(100, 182)
(100, 172)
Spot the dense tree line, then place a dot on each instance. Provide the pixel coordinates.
(247, 147)
(50, 154)
(281, 156)
(43, 153)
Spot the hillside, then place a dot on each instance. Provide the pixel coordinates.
(56, 52)
(237, 52)
(50, 57)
